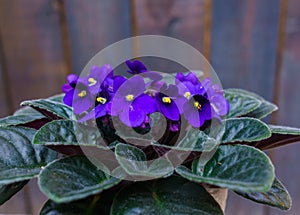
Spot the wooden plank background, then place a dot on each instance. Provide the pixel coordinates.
(252, 44)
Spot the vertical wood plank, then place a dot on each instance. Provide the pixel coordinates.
(35, 67)
(93, 25)
(32, 47)
(5, 103)
(243, 53)
(286, 159)
(183, 20)
(244, 39)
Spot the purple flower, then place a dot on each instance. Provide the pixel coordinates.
(83, 100)
(219, 104)
(197, 110)
(69, 89)
(135, 67)
(190, 77)
(99, 77)
(103, 106)
(131, 104)
(169, 102)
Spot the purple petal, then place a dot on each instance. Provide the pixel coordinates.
(144, 103)
(132, 118)
(170, 111)
(72, 78)
(68, 98)
(135, 67)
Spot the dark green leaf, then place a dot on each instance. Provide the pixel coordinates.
(67, 132)
(281, 135)
(19, 158)
(264, 109)
(8, 190)
(194, 140)
(236, 167)
(50, 108)
(245, 130)
(58, 98)
(134, 162)
(240, 103)
(277, 196)
(73, 178)
(27, 111)
(173, 195)
(276, 129)
(20, 119)
(94, 205)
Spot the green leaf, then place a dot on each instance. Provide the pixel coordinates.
(58, 98)
(277, 196)
(134, 162)
(73, 178)
(69, 137)
(276, 129)
(245, 130)
(8, 190)
(281, 135)
(173, 195)
(264, 109)
(51, 109)
(237, 167)
(27, 111)
(99, 204)
(20, 119)
(19, 159)
(194, 140)
(240, 103)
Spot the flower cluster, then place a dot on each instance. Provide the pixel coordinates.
(134, 99)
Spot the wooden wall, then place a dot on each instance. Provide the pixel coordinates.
(252, 44)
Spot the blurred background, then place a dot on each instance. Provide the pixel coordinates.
(252, 44)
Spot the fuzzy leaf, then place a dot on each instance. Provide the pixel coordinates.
(20, 119)
(281, 135)
(264, 109)
(73, 178)
(51, 109)
(134, 162)
(69, 137)
(237, 167)
(245, 130)
(194, 140)
(19, 158)
(173, 195)
(240, 103)
(277, 196)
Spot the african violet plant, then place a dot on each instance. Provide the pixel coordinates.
(150, 143)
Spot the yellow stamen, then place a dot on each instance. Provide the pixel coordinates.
(101, 100)
(166, 100)
(187, 95)
(82, 93)
(129, 97)
(197, 105)
(92, 82)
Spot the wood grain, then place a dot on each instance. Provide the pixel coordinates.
(174, 18)
(93, 25)
(243, 54)
(34, 66)
(244, 40)
(33, 48)
(6, 102)
(286, 159)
